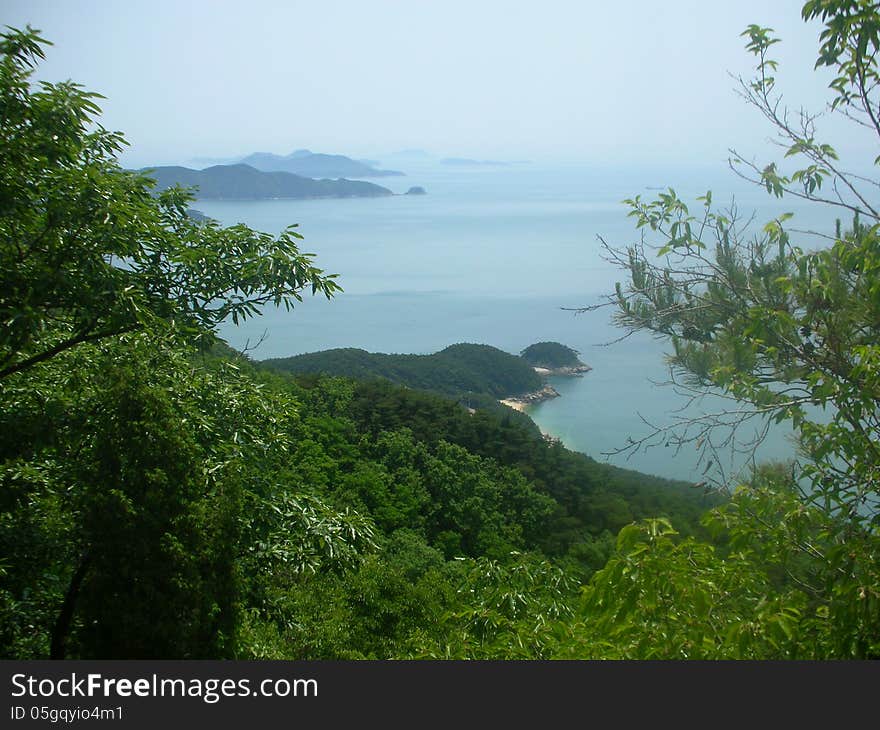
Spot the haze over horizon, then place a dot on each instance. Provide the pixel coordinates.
(602, 83)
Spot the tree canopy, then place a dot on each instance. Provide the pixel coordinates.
(786, 333)
(162, 498)
(90, 251)
(129, 472)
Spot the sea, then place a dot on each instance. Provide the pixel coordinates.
(509, 255)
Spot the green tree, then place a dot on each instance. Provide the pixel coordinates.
(89, 252)
(144, 489)
(788, 335)
(509, 609)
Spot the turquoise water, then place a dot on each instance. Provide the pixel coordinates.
(494, 255)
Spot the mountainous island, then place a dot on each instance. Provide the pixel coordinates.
(243, 182)
(315, 165)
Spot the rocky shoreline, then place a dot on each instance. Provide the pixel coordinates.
(576, 371)
(521, 402)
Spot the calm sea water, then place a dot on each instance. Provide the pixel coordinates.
(495, 255)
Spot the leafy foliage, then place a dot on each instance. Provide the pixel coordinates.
(126, 465)
(163, 496)
(788, 335)
(89, 252)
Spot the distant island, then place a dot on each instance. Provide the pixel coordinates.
(416, 190)
(315, 165)
(243, 182)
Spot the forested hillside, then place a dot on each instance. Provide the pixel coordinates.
(551, 355)
(161, 496)
(458, 370)
(316, 491)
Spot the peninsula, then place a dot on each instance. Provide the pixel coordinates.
(463, 371)
(476, 375)
(546, 359)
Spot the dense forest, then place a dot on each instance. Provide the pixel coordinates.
(551, 355)
(458, 370)
(161, 496)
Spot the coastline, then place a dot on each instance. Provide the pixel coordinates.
(522, 403)
(576, 371)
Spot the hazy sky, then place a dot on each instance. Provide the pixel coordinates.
(603, 81)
